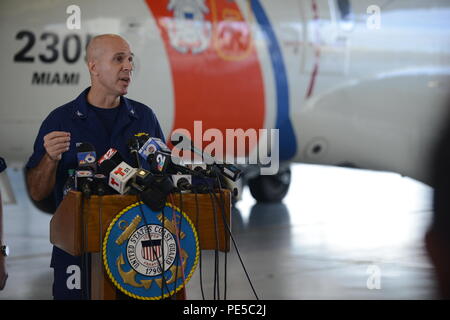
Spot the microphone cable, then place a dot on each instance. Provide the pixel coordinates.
(100, 223)
(85, 263)
(199, 241)
(216, 252)
(216, 287)
(236, 248)
(178, 242)
(163, 279)
(222, 209)
(162, 252)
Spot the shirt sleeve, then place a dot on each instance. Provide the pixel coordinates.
(50, 124)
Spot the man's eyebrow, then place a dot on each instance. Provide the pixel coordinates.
(123, 54)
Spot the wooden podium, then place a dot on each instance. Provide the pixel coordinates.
(79, 226)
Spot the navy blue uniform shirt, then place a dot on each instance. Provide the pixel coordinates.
(84, 126)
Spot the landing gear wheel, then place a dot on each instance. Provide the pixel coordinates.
(270, 188)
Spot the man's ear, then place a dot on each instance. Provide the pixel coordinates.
(92, 67)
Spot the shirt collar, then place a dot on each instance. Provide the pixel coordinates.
(81, 106)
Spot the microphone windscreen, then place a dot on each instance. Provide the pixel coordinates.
(113, 155)
(84, 147)
(106, 166)
(142, 138)
(160, 162)
(133, 143)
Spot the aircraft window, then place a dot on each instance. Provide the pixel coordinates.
(345, 15)
(344, 9)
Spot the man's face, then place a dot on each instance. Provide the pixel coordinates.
(114, 66)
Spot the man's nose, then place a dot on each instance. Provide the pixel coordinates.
(128, 65)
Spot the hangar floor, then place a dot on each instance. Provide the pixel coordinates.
(339, 234)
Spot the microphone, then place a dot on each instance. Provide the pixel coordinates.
(164, 163)
(113, 155)
(151, 145)
(143, 177)
(70, 182)
(84, 181)
(87, 186)
(155, 195)
(109, 161)
(86, 155)
(228, 170)
(101, 185)
(121, 177)
(159, 157)
(134, 146)
(159, 162)
(182, 181)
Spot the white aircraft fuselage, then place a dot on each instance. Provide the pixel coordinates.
(345, 82)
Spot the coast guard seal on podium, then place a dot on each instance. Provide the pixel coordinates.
(150, 255)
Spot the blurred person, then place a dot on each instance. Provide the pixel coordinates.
(3, 246)
(437, 238)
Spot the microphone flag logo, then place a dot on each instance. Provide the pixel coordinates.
(86, 158)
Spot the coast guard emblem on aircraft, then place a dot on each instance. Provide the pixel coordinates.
(188, 30)
(150, 255)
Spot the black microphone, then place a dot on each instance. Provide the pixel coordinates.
(182, 181)
(142, 138)
(101, 187)
(113, 155)
(228, 170)
(70, 183)
(109, 161)
(134, 145)
(155, 195)
(83, 181)
(164, 163)
(87, 186)
(107, 166)
(143, 177)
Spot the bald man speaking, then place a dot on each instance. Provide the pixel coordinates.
(100, 115)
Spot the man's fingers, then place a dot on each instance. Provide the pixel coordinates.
(56, 150)
(57, 134)
(56, 140)
(51, 148)
(56, 143)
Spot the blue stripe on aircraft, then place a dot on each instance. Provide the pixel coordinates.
(288, 143)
